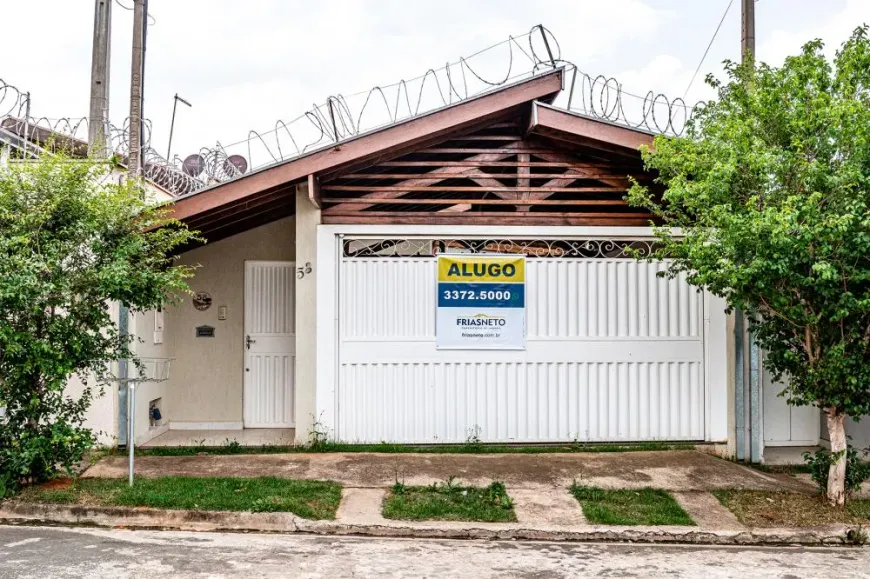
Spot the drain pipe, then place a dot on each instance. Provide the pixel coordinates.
(123, 331)
(755, 434)
(739, 397)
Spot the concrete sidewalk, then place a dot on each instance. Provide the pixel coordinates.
(538, 484)
(683, 470)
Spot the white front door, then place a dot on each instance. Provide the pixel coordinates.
(270, 344)
(786, 425)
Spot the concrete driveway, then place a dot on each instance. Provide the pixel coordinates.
(684, 470)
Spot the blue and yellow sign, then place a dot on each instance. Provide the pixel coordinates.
(481, 302)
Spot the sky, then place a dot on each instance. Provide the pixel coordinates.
(246, 64)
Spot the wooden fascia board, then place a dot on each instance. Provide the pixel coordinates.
(314, 191)
(554, 123)
(374, 145)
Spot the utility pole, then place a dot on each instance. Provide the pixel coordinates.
(134, 164)
(743, 341)
(98, 119)
(747, 399)
(747, 34)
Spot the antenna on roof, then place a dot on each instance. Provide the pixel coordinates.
(235, 163)
(175, 100)
(193, 165)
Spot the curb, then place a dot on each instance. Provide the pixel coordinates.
(14, 513)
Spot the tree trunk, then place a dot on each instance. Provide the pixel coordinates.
(836, 491)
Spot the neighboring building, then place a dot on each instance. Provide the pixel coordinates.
(22, 142)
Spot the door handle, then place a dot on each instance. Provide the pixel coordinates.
(249, 341)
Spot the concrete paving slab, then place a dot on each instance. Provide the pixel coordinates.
(213, 438)
(707, 511)
(670, 470)
(361, 506)
(554, 508)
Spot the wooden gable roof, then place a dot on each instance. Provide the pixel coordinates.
(504, 157)
(510, 172)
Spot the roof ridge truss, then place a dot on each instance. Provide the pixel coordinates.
(499, 174)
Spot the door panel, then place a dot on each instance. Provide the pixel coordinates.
(270, 345)
(786, 425)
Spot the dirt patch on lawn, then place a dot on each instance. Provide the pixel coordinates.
(57, 483)
(756, 508)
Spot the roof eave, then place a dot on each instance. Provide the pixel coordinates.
(555, 123)
(392, 140)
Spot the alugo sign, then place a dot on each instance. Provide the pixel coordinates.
(481, 303)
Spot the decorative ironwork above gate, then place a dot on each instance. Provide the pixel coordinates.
(541, 248)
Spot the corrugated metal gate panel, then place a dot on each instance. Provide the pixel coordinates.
(614, 353)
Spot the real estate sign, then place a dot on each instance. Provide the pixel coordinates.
(481, 303)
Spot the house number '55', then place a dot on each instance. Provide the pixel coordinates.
(304, 270)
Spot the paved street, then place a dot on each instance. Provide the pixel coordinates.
(41, 552)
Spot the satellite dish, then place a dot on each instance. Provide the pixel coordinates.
(235, 161)
(193, 165)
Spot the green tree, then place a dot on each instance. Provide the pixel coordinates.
(770, 192)
(72, 240)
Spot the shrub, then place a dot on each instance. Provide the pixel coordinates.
(72, 241)
(857, 471)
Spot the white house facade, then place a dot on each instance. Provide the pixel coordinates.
(316, 297)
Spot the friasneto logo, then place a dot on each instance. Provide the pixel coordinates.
(481, 320)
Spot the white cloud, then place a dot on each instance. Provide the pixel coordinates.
(245, 65)
(833, 31)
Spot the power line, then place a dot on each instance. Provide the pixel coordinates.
(727, 8)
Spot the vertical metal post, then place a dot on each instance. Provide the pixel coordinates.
(332, 119)
(175, 100)
(755, 435)
(739, 388)
(123, 372)
(26, 122)
(547, 45)
(131, 421)
(571, 90)
(171, 128)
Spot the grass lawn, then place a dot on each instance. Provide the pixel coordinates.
(233, 447)
(629, 507)
(449, 502)
(305, 498)
(790, 509)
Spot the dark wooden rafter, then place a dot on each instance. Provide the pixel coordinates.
(486, 176)
(493, 218)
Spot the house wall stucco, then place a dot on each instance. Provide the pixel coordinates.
(102, 416)
(141, 325)
(307, 222)
(858, 431)
(205, 390)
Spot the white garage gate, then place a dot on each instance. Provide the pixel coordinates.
(613, 352)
